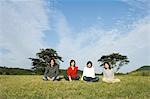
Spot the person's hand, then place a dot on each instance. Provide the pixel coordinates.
(70, 78)
(52, 78)
(81, 78)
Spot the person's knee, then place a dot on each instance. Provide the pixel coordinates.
(117, 80)
(97, 78)
(106, 80)
(103, 79)
(77, 78)
(84, 78)
(66, 77)
(44, 78)
(87, 78)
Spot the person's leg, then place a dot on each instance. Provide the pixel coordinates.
(66, 77)
(45, 78)
(55, 78)
(87, 78)
(95, 79)
(58, 78)
(116, 80)
(106, 80)
(76, 78)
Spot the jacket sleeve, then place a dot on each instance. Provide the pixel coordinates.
(57, 70)
(68, 72)
(46, 71)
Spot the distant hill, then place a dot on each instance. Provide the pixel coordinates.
(142, 71)
(143, 68)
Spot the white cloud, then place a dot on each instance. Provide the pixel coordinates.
(94, 42)
(22, 27)
(23, 24)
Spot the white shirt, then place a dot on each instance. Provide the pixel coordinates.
(89, 72)
(108, 73)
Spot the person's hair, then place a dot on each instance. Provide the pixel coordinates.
(72, 61)
(53, 60)
(107, 64)
(89, 62)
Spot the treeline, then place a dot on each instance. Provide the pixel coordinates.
(19, 71)
(15, 71)
(143, 71)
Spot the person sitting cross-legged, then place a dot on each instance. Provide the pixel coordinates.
(108, 74)
(89, 73)
(72, 72)
(52, 71)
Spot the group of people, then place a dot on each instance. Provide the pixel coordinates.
(52, 72)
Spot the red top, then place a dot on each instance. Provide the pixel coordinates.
(72, 72)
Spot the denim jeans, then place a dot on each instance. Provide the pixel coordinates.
(76, 78)
(90, 79)
(53, 78)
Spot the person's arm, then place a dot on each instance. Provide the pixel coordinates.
(83, 74)
(93, 73)
(68, 73)
(46, 70)
(81, 78)
(70, 78)
(57, 70)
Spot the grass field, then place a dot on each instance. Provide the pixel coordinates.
(33, 87)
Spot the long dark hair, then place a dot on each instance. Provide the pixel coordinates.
(72, 61)
(89, 62)
(53, 60)
(107, 64)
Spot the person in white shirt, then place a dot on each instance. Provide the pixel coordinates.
(89, 73)
(108, 74)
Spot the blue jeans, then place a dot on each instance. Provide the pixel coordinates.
(90, 79)
(67, 78)
(55, 78)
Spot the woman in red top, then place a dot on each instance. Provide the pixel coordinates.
(72, 72)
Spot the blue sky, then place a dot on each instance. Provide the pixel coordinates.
(76, 29)
(84, 13)
(106, 14)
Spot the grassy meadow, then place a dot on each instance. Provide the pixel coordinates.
(33, 87)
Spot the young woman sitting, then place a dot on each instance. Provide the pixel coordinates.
(108, 74)
(52, 71)
(72, 72)
(89, 73)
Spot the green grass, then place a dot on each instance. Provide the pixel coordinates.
(33, 87)
(140, 73)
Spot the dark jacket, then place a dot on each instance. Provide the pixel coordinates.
(52, 71)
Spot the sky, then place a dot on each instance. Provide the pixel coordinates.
(82, 30)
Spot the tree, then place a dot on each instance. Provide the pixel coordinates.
(43, 58)
(115, 59)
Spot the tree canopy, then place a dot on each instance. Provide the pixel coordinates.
(43, 58)
(115, 59)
